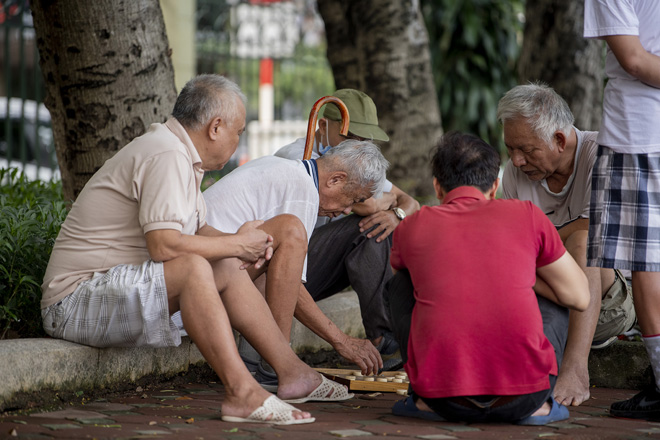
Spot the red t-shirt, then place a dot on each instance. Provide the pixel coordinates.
(476, 327)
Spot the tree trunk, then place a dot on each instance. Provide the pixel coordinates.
(555, 52)
(381, 48)
(108, 75)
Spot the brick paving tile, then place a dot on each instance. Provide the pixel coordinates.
(158, 414)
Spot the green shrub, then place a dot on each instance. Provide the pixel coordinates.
(31, 213)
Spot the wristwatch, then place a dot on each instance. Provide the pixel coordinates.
(400, 213)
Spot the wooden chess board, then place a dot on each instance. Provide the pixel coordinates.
(387, 381)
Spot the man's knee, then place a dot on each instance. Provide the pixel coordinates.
(180, 272)
(287, 229)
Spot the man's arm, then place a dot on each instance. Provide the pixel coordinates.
(249, 244)
(387, 219)
(360, 351)
(634, 59)
(564, 283)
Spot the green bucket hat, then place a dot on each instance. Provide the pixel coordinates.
(361, 112)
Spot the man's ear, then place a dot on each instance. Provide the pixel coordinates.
(559, 138)
(337, 178)
(323, 126)
(214, 128)
(439, 191)
(492, 192)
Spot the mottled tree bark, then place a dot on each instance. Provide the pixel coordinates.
(381, 48)
(108, 75)
(555, 52)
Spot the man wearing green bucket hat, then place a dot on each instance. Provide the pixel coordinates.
(355, 250)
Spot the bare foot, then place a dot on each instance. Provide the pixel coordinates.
(243, 402)
(572, 386)
(544, 410)
(295, 386)
(422, 406)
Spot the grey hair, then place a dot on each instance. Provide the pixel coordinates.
(206, 97)
(545, 110)
(361, 160)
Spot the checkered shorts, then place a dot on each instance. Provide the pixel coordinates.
(124, 307)
(624, 218)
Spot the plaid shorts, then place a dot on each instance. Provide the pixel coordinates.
(124, 307)
(624, 218)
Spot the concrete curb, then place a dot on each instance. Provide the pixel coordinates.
(29, 365)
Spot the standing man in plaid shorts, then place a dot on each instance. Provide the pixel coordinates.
(136, 248)
(624, 228)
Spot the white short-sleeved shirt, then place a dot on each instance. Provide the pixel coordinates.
(152, 183)
(572, 202)
(260, 190)
(630, 107)
(295, 150)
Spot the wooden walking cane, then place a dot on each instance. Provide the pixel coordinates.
(313, 115)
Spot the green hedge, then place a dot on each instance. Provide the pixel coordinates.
(31, 213)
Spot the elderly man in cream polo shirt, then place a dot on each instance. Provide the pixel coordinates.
(136, 248)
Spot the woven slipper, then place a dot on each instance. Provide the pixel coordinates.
(322, 393)
(280, 413)
(408, 408)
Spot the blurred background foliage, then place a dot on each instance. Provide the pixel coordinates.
(474, 45)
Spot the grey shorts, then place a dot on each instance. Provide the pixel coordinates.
(617, 310)
(124, 307)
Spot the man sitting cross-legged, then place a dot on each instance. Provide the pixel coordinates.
(481, 347)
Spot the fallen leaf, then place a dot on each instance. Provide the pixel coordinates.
(184, 398)
(152, 423)
(139, 389)
(190, 421)
(13, 433)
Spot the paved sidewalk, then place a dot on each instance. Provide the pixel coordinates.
(192, 411)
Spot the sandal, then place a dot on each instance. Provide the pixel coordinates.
(328, 391)
(274, 411)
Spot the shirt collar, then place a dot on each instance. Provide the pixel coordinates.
(313, 171)
(463, 192)
(180, 132)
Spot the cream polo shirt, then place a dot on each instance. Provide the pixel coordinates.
(572, 202)
(152, 183)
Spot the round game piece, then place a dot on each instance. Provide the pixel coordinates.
(356, 373)
(351, 377)
(401, 376)
(397, 380)
(381, 379)
(368, 379)
(402, 392)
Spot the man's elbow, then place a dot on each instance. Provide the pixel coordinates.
(583, 296)
(633, 64)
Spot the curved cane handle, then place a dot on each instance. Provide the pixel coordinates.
(313, 115)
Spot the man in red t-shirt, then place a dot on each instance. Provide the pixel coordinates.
(477, 347)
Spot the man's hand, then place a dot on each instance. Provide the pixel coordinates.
(386, 221)
(361, 352)
(256, 245)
